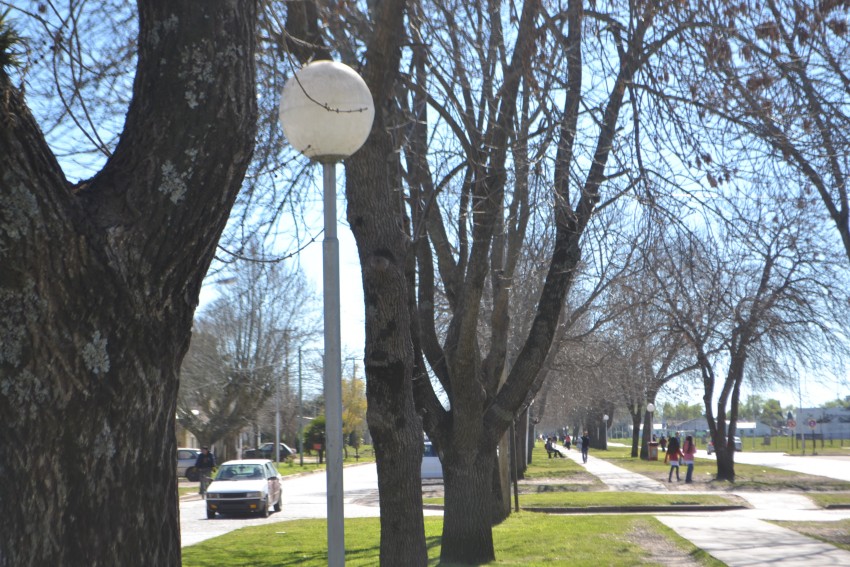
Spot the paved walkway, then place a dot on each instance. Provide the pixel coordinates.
(614, 477)
(739, 538)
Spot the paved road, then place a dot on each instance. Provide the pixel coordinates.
(303, 497)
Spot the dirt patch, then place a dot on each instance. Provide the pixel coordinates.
(661, 549)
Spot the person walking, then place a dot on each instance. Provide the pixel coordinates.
(585, 446)
(674, 453)
(567, 441)
(689, 450)
(204, 464)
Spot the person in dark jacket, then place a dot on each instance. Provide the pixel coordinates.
(585, 446)
(204, 463)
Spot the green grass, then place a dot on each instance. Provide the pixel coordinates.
(527, 539)
(836, 533)
(290, 468)
(543, 467)
(779, 444)
(571, 473)
(747, 477)
(794, 446)
(832, 499)
(630, 499)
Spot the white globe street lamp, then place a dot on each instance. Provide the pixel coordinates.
(326, 111)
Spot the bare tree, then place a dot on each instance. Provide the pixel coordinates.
(468, 215)
(759, 294)
(240, 362)
(774, 77)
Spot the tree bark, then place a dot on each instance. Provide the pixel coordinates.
(725, 461)
(98, 289)
(647, 435)
(523, 438)
(467, 535)
(395, 426)
(375, 214)
(502, 480)
(636, 435)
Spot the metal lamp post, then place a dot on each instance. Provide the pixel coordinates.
(326, 111)
(650, 407)
(605, 419)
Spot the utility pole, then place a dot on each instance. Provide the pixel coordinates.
(300, 416)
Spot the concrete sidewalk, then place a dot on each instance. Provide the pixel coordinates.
(740, 542)
(614, 477)
(740, 538)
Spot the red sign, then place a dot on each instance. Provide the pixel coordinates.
(813, 423)
(792, 423)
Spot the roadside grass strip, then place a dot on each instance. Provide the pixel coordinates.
(525, 538)
(835, 500)
(747, 477)
(835, 533)
(627, 501)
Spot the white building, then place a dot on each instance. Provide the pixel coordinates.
(699, 427)
(831, 423)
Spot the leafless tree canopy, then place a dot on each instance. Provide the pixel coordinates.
(243, 352)
(643, 185)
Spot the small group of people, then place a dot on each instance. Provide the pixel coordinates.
(582, 442)
(678, 455)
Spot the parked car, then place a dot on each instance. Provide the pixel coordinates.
(266, 451)
(431, 465)
(186, 458)
(244, 486)
(738, 445)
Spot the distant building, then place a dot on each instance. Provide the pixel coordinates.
(832, 423)
(699, 427)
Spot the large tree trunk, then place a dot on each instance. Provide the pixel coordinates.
(467, 535)
(376, 219)
(396, 429)
(725, 462)
(502, 480)
(522, 445)
(635, 434)
(98, 288)
(647, 435)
